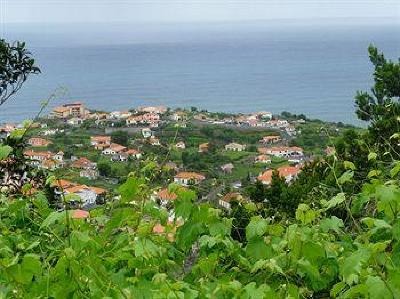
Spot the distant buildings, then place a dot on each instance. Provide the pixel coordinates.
(153, 109)
(282, 151)
(188, 178)
(289, 173)
(38, 142)
(271, 139)
(235, 147)
(76, 110)
(45, 159)
(203, 148)
(227, 168)
(180, 145)
(263, 159)
(100, 142)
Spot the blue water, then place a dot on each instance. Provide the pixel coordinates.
(311, 69)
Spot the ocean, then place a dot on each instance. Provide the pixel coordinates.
(314, 69)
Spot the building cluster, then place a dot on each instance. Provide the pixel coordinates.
(115, 151)
(146, 120)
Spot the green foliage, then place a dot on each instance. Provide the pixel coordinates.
(381, 107)
(120, 137)
(16, 64)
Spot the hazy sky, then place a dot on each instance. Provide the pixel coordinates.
(191, 10)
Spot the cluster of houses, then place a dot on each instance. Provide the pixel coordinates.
(116, 151)
(147, 118)
(255, 120)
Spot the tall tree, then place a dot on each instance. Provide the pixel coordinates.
(381, 105)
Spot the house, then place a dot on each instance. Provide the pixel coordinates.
(179, 116)
(235, 147)
(83, 163)
(113, 149)
(153, 109)
(59, 156)
(289, 173)
(284, 151)
(227, 168)
(329, 150)
(171, 166)
(263, 159)
(42, 158)
(188, 178)
(89, 173)
(50, 132)
(136, 154)
(147, 133)
(180, 145)
(88, 196)
(203, 148)
(75, 121)
(277, 123)
(38, 142)
(225, 201)
(97, 116)
(264, 115)
(147, 118)
(100, 142)
(38, 155)
(270, 139)
(165, 197)
(290, 130)
(119, 114)
(200, 116)
(51, 164)
(154, 141)
(76, 109)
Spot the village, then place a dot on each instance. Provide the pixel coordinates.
(216, 154)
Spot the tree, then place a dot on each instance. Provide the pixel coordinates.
(104, 168)
(257, 192)
(381, 106)
(120, 137)
(16, 64)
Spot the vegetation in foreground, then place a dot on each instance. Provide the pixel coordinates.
(343, 241)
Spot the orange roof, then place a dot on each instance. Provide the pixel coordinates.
(61, 109)
(283, 171)
(31, 153)
(39, 141)
(63, 183)
(79, 188)
(100, 138)
(296, 148)
(75, 188)
(166, 195)
(231, 196)
(117, 147)
(98, 190)
(266, 176)
(286, 171)
(132, 152)
(263, 158)
(81, 162)
(190, 175)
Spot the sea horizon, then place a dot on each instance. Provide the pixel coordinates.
(223, 66)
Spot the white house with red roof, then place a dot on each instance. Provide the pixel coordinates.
(188, 178)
